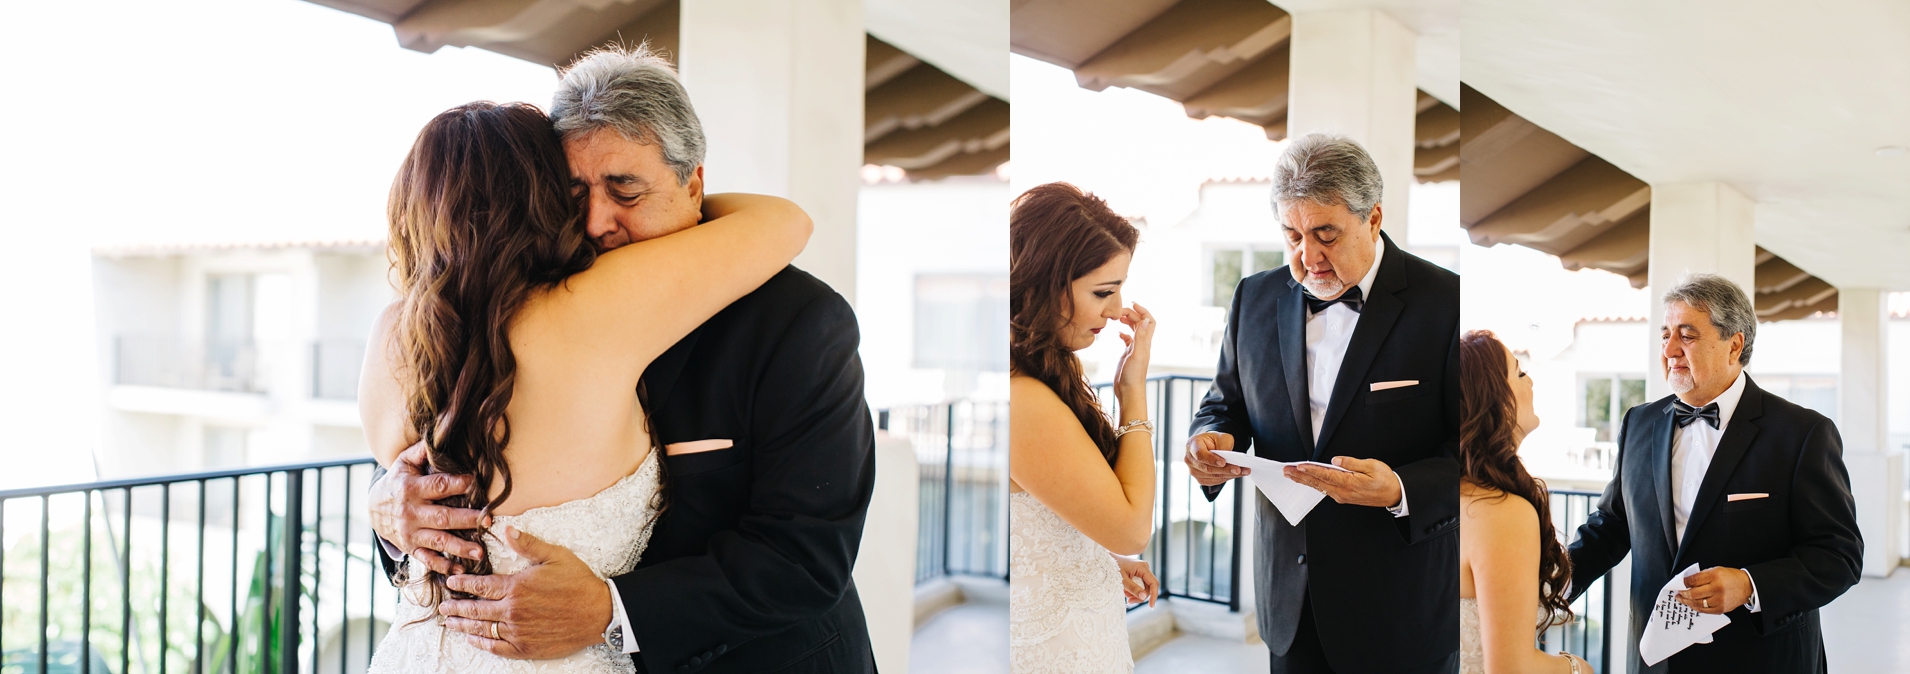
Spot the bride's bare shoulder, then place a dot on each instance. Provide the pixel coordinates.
(1485, 506)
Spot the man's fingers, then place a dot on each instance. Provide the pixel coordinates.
(529, 547)
(412, 459)
(480, 628)
(474, 609)
(444, 542)
(434, 561)
(446, 518)
(439, 486)
(488, 587)
(1367, 466)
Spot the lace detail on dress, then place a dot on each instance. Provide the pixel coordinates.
(608, 531)
(1472, 653)
(1066, 611)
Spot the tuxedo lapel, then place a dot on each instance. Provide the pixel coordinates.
(1290, 312)
(1377, 316)
(1660, 454)
(659, 380)
(1731, 449)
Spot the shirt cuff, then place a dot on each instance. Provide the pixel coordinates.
(1751, 605)
(1400, 510)
(618, 618)
(391, 551)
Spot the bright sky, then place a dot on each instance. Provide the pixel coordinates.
(1137, 150)
(131, 121)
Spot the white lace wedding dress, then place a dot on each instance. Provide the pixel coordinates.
(1066, 611)
(608, 531)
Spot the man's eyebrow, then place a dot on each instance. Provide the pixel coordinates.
(627, 180)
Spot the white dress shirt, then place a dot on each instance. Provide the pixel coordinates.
(1692, 448)
(1327, 335)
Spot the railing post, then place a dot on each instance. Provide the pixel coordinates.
(948, 484)
(1167, 514)
(294, 539)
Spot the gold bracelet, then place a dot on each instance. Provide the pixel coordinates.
(1132, 426)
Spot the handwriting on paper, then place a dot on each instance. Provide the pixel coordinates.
(1673, 626)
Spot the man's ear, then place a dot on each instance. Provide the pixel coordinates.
(696, 186)
(1373, 221)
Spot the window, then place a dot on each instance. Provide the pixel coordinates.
(1228, 265)
(1603, 400)
(961, 322)
(1815, 391)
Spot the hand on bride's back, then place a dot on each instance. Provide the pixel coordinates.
(404, 512)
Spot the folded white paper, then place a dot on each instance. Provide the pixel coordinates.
(1292, 499)
(1673, 626)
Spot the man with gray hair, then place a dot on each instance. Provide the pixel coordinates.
(767, 439)
(1726, 476)
(1352, 357)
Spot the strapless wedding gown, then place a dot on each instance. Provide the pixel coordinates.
(608, 531)
(1066, 611)
(1472, 652)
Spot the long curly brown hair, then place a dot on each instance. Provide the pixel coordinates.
(1056, 234)
(482, 217)
(1488, 456)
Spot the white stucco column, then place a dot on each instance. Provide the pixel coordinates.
(778, 85)
(1876, 471)
(885, 563)
(1352, 74)
(1695, 227)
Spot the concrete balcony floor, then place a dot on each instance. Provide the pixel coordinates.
(968, 638)
(1868, 629)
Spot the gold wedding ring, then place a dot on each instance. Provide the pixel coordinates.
(1707, 602)
(494, 630)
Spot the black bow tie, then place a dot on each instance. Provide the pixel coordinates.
(1687, 414)
(1351, 297)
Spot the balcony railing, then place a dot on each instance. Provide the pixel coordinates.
(1195, 551)
(1586, 636)
(251, 570)
(962, 451)
(232, 365)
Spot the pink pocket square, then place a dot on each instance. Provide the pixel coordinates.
(1745, 497)
(694, 446)
(1383, 385)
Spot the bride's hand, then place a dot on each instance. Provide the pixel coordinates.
(1130, 383)
(1137, 581)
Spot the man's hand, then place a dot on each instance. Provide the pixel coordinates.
(1210, 470)
(1716, 590)
(553, 608)
(1370, 482)
(403, 514)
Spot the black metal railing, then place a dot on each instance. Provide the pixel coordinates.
(1587, 636)
(1196, 547)
(249, 570)
(962, 452)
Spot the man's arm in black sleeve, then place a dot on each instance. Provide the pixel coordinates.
(1224, 410)
(1605, 537)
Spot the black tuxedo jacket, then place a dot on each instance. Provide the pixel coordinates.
(1800, 544)
(748, 569)
(1373, 578)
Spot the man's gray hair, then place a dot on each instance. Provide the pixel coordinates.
(636, 92)
(1731, 312)
(1327, 170)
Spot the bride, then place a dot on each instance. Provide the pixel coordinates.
(1513, 571)
(514, 352)
(1083, 490)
